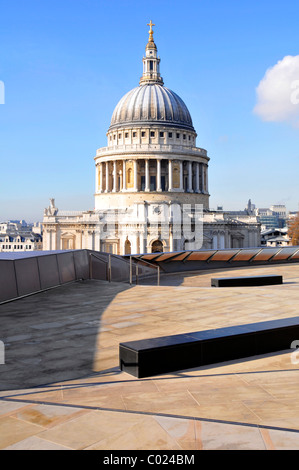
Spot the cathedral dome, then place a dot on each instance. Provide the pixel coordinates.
(151, 103)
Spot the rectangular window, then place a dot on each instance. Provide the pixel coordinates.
(151, 65)
(142, 183)
(152, 134)
(178, 136)
(170, 135)
(126, 135)
(119, 136)
(153, 183)
(184, 136)
(134, 134)
(142, 134)
(161, 134)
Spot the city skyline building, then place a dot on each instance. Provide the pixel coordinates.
(18, 236)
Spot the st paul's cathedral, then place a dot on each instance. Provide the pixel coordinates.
(151, 182)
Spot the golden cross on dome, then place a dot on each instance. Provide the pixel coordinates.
(151, 32)
(150, 24)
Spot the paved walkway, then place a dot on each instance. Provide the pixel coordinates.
(61, 387)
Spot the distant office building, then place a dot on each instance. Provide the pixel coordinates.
(272, 217)
(280, 210)
(269, 221)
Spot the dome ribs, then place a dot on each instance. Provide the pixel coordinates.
(151, 104)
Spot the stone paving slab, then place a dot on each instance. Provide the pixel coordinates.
(227, 407)
(70, 394)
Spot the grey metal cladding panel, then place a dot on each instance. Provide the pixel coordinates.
(145, 270)
(48, 270)
(66, 267)
(98, 269)
(8, 287)
(81, 259)
(27, 275)
(120, 269)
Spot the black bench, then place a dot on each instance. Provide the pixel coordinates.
(154, 356)
(246, 281)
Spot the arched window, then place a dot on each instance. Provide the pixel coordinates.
(157, 246)
(127, 247)
(129, 175)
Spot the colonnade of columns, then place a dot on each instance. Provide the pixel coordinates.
(152, 175)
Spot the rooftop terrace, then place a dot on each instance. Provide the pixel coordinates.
(61, 386)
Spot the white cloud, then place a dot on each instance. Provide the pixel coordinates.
(278, 92)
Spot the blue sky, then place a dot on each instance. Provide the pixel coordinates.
(65, 65)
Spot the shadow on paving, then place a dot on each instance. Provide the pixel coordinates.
(51, 336)
(178, 278)
(202, 277)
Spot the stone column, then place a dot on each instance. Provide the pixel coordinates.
(124, 176)
(204, 171)
(107, 177)
(207, 184)
(197, 178)
(147, 176)
(114, 177)
(170, 175)
(158, 185)
(190, 190)
(202, 178)
(54, 240)
(96, 241)
(135, 176)
(181, 175)
(120, 180)
(90, 240)
(97, 177)
(49, 234)
(101, 177)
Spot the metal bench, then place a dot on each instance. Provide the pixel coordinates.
(246, 281)
(145, 358)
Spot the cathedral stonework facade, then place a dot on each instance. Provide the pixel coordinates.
(151, 191)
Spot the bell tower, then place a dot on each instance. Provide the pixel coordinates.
(151, 63)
